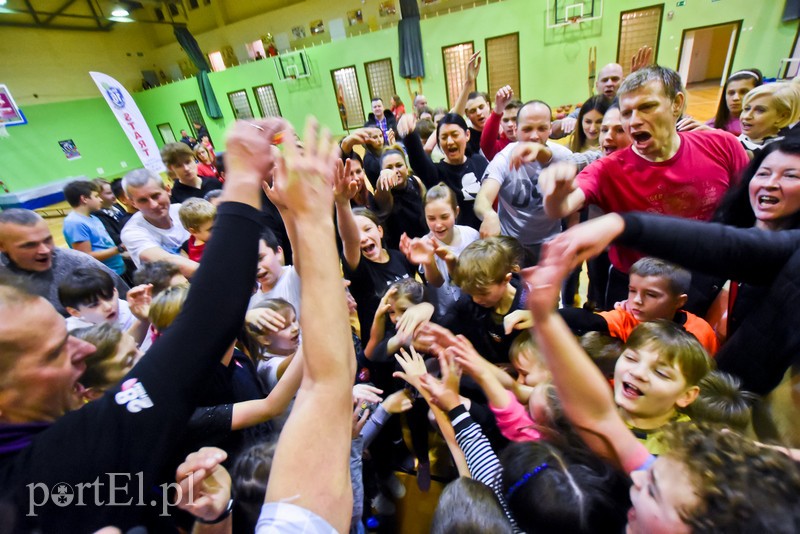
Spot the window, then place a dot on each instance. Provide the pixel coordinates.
(502, 63)
(192, 113)
(455, 60)
(380, 79)
(348, 97)
(194, 4)
(240, 104)
(637, 28)
(167, 135)
(267, 101)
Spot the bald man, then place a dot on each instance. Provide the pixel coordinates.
(28, 252)
(607, 84)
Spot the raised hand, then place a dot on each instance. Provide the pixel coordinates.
(384, 306)
(305, 178)
(413, 367)
(397, 402)
(248, 153)
(261, 319)
(587, 240)
(464, 354)
(524, 152)
(517, 320)
(419, 250)
(205, 485)
(545, 280)
(641, 58)
(558, 180)
(365, 392)
(473, 67)
(139, 299)
(431, 337)
(568, 125)
(504, 95)
(406, 125)
(490, 226)
(388, 180)
(344, 188)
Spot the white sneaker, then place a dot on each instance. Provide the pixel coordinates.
(383, 506)
(394, 486)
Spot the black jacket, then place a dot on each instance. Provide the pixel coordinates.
(391, 122)
(766, 339)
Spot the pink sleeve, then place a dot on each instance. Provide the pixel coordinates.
(489, 143)
(514, 422)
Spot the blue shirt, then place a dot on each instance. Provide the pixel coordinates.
(79, 228)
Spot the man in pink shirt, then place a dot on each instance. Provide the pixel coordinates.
(684, 174)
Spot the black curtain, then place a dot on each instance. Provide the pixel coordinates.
(412, 63)
(190, 46)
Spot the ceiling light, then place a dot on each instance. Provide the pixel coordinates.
(3, 2)
(118, 12)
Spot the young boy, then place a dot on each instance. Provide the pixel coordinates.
(90, 298)
(180, 162)
(197, 216)
(486, 272)
(85, 232)
(275, 280)
(657, 290)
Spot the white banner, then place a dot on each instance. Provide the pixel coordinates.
(131, 120)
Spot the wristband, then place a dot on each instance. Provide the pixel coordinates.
(222, 517)
(121, 248)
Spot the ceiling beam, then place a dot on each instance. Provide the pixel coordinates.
(94, 12)
(58, 11)
(32, 11)
(56, 26)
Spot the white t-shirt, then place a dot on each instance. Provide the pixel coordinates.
(268, 373)
(521, 202)
(287, 288)
(139, 235)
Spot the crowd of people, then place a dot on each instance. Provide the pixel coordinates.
(225, 351)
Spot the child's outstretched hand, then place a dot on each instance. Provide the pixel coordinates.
(139, 299)
(397, 402)
(365, 392)
(413, 367)
(431, 337)
(418, 250)
(305, 178)
(205, 485)
(344, 189)
(359, 419)
(261, 319)
(464, 354)
(517, 320)
(412, 318)
(384, 306)
(443, 393)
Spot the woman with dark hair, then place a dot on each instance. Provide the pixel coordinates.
(730, 103)
(459, 170)
(586, 136)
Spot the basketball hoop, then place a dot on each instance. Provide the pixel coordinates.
(573, 20)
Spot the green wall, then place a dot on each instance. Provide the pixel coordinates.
(31, 155)
(553, 68)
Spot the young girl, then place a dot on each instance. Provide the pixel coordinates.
(398, 197)
(397, 107)
(437, 252)
(206, 166)
(707, 481)
(587, 134)
(765, 111)
(367, 264)
(730, 103)
(461, 172)
(273, 348)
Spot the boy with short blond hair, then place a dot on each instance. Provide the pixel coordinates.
(657, 290)
(491, 309)
(197, 216)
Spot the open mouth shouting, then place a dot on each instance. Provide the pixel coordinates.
(629, 391)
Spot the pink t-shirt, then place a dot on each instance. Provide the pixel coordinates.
(691, 184)
(733, 126)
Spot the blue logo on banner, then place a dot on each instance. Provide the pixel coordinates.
(116, 97)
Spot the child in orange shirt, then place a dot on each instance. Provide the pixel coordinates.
(657, 290)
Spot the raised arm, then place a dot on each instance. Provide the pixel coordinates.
(582, 389)
(321, 420)
(473, 68)
(418, 159)
(561, 196)
(345, 189)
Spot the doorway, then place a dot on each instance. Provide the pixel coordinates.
(707, 53)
